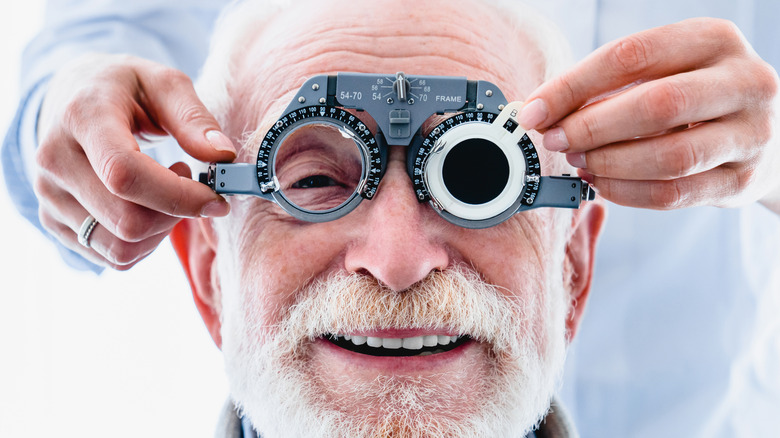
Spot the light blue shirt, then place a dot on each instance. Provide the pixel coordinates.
(681, 335)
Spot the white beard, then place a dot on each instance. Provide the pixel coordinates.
(272, 384)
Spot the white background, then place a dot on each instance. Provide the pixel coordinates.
(118, 355)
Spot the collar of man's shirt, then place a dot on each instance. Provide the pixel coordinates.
(557, 424)
(249, 432)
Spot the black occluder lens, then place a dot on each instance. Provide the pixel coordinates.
(475, 171)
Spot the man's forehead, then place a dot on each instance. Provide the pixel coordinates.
(459, 38)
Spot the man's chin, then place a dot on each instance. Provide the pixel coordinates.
(324, 392)
(447, 384)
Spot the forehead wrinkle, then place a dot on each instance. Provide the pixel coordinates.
(264, 103)
(479, 50)
(393, 45)
(421, 19)
(499, 58)
(282, 56)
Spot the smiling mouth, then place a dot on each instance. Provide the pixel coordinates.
(397, 347)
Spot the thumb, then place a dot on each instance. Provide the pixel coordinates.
(170, 100)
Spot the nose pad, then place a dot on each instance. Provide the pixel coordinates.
(402, 241)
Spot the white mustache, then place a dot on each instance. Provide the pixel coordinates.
(454, 301)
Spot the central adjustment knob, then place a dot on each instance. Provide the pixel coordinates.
(401, 86)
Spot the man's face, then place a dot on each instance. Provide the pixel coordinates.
(392, 270)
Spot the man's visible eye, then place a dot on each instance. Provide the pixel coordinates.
(314, 181)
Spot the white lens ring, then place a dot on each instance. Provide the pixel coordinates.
(434, 171)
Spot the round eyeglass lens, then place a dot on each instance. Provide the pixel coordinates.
(319, 166)
(475, 171)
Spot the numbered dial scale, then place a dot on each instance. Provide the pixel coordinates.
(476, 168)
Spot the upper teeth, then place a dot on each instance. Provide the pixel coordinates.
(415, 343)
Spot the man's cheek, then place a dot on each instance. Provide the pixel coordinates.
(285, 260)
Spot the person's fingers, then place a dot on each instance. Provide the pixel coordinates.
(69, 239)
(664, 157)
(636, 58)
(134, 176)
(181, 169)
(121, 253)
(127, 220)
(650, 108)
(721, 187)
(89, 160)
(170, 100)
(67, 211)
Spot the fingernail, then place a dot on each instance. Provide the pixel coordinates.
(220, 142)
(533, 114)
(555, 140)
(577, 160)
(215, 209)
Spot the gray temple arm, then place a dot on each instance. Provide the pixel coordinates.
(561, 192)
(236, 179)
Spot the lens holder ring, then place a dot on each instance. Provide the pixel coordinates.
(370, 148)
(418, 155)
(462, 183)
(530, 180)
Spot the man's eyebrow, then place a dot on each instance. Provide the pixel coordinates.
(432, 121)
(250, 143)
(274, 109)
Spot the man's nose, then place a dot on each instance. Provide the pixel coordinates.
(403, 240)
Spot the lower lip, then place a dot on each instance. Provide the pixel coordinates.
(400, 364)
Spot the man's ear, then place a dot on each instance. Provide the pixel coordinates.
(195, 244)
(580, 258)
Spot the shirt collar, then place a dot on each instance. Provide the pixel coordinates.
(248, 431)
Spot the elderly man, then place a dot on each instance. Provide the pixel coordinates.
(310, 316)
(107, 204)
